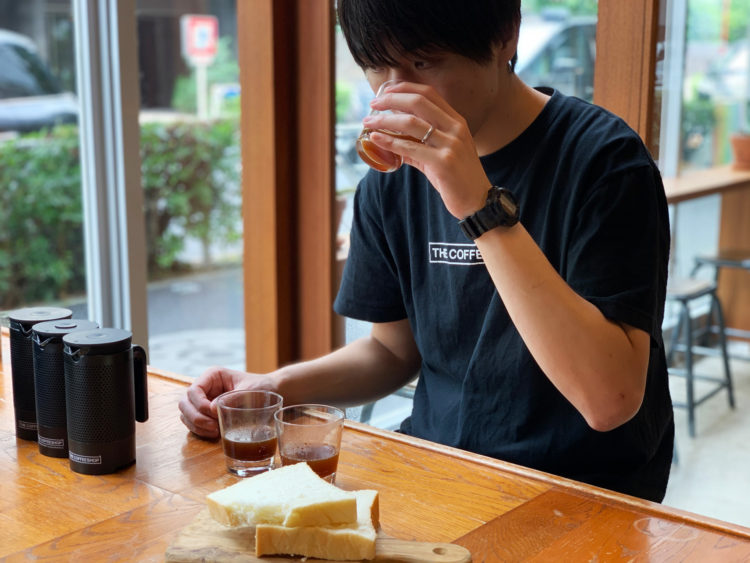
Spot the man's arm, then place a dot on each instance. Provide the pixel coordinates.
(599, 365)
(360, 372)
(363, 371)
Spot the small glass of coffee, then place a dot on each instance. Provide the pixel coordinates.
(374, 156)
(311, 433)
(248, 433)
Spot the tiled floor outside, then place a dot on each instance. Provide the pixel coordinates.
(712, 473)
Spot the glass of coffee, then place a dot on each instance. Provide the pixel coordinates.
(248, 433)
(374, 156)
(311, 433)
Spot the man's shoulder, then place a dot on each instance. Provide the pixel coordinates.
(589, 134)
(583, 117)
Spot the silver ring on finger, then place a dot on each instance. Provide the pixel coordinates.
(426, 136)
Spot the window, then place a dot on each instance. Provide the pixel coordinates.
(557, 49)
(704, 102)
(189, 169)
(41, 240)
(190, 174)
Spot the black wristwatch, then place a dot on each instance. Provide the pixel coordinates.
(501, 209)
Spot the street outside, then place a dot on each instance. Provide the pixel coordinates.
(195, 322)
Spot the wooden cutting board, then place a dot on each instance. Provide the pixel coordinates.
(206, 540)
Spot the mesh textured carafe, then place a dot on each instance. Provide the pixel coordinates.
(22, 364)
(49, 380)
(104, 399)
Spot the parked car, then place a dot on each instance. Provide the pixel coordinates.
(558, 50)
(30, 95)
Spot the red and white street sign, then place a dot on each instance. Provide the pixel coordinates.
(200, 38)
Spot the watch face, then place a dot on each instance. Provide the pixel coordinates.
(501, 209)
(509, 205)
(507, 202)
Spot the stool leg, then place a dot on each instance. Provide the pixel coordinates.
(689, 368)
(673, 340)
(707, 333)
(696, 267)
(366, 414)
(716, 306)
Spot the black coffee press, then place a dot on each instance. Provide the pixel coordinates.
(22, 363)
(105, 389)
(49, 380)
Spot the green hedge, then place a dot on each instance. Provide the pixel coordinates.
(190, 175)
(191, 180)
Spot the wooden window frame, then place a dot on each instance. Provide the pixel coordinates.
(625, 65)
(287, 74)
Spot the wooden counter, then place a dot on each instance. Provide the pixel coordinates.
(499, 511)
(700, 183)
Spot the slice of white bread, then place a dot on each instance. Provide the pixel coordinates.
(292, 495)
(343, 542)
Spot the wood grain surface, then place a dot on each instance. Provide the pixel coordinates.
(428, 493)
(734, 234)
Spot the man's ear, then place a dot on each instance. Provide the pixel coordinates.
(506, 50)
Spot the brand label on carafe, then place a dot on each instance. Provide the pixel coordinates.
(89, 459)
(58, 443)
(25, 425)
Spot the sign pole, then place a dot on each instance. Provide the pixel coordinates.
(201, 90)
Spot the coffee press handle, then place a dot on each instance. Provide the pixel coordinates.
(140, 363)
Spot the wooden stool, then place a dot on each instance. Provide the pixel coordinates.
(684, 292)
(723, 259)
(739, 259)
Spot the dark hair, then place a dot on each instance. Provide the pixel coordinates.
(379, 31)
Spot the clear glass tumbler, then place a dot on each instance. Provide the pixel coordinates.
(248, 432)
(311, 433)
(374, 156)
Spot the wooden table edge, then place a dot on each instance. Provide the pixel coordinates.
(576, 487)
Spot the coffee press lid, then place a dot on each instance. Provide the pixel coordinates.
(99, 341)
(61, 327)
(30, 316)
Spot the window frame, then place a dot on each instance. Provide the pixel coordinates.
(625, 65)
(114, 232)
(286, 52)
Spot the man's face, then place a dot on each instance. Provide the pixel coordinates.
(471, 88)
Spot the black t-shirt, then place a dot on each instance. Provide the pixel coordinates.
(592, 199)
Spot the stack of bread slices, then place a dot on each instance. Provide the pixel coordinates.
(295, 512)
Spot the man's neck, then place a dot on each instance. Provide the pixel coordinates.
(518, 106)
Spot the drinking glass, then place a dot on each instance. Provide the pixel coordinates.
(311, 433)
(248, 433)
(374, 156)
